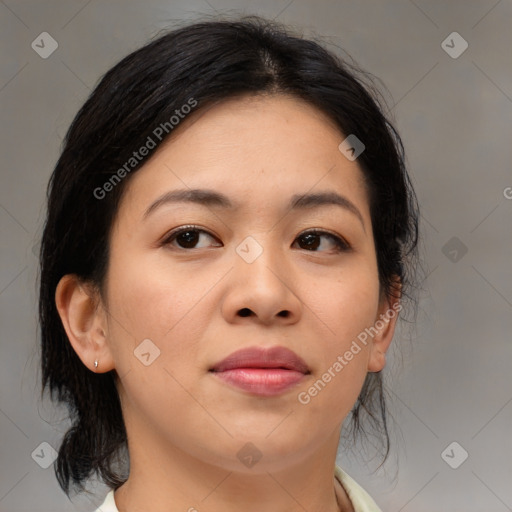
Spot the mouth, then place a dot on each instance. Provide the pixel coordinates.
(263, 372)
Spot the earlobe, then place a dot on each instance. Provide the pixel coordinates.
(384, 327)
(84, 322)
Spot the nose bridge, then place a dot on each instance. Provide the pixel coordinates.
(261, 260)
(261, 281)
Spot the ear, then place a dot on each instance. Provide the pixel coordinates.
(84, 321)
(384, 328)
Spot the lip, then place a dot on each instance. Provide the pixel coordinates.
(262, 371)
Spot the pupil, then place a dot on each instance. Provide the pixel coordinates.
(311, 241)
(188, 238)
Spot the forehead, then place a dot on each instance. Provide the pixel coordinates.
(259, 150)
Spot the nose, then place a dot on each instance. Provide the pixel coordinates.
(262, 291)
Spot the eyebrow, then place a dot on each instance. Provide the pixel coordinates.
(211, 198)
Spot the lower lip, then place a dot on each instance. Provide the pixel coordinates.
(261, 381)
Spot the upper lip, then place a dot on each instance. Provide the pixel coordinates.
(259, 357)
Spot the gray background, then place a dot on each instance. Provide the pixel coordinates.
(450, 381)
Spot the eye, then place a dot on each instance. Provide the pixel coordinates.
(188, 237)
(315, 240)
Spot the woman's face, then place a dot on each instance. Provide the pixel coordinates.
(243, 273)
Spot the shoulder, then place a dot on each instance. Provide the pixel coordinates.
(109, 505)
(361, 500)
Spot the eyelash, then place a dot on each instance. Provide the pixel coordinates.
(341, 244)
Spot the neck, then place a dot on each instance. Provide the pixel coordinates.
(173, 480)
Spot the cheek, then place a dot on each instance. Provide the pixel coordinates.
(167, 306)
(345, 307)
(170, 304)
(347, 303)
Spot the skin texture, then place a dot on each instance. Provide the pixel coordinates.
(185, 426)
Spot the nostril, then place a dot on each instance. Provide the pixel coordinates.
(284, 313)
(244, 312)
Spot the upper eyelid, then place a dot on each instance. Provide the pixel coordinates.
(170, 236)
(190, 227)
(316, 231)
(337, 238)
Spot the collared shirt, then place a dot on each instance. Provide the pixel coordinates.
(361, 500)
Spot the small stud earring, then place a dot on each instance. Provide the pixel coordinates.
(95, 364)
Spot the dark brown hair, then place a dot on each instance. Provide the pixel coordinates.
(209, 61)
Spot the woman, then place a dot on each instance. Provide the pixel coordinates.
(230, 227)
